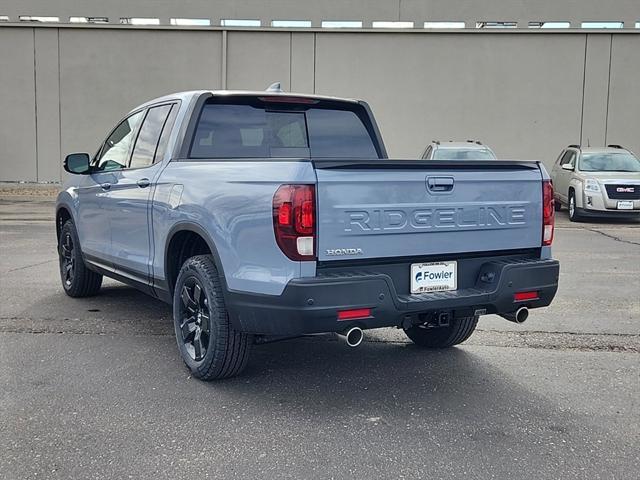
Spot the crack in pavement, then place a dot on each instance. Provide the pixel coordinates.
(613, 237)
(33, 265)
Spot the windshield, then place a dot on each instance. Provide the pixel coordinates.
(609, 162)
(463, 154)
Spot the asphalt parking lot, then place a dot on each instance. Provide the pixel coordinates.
(94, 388)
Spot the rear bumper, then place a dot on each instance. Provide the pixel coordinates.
(310, 305)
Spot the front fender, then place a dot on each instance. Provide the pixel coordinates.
(577, 186)
(66, 200)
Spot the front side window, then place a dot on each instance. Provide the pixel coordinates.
(115, 151)
(252, 129)
(609, 162)
(145, 149)
(567, 158)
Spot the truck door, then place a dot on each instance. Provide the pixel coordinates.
(95, 194)
(131, 215)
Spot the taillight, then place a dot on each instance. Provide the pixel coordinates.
(548, 213)
(288, 99)
(294, 220)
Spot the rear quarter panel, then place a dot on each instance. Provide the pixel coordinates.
(231, 200)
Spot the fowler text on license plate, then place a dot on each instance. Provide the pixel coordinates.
(434, 277)
(625, 205)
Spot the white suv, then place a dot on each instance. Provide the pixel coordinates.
(597, 181)
(469, 150)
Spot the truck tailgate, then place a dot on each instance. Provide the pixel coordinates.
(408, 208)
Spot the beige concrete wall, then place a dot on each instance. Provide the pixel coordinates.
(521, 94)
(17, 105)
(106, 73)
(257, 59)
(527, 94)
(624, 93)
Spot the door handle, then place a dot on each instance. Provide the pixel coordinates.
(105, 186)
(440, 184)
(144, 183)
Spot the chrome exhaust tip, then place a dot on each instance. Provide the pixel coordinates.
(519, 316)
(353, 336)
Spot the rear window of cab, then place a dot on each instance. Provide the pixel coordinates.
(258, 128)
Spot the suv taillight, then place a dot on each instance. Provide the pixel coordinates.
(294, 220)
(548, 212)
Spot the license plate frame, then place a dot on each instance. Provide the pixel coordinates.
(434, 277)
(624, 205)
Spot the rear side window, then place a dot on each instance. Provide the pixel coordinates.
(249, 128)
(145, 149)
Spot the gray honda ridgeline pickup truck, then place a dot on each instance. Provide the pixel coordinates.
(266, 215)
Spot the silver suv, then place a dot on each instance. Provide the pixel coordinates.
(469, 150)
(597, 181)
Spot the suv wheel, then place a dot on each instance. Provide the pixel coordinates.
(208, 344)
(77, 279)
(457, 332)
(574, 216)
(557, 205)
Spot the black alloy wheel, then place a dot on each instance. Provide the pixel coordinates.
(77, 280)
(209, 345)
(67, 260)
(195, 319)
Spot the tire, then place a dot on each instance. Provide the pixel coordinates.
(557, 205)
(457, 332)
(207, 342)
(77, 280)
(574, 215)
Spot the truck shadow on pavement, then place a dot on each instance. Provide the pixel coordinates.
(421, 398)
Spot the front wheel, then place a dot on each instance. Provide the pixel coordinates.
(574, 216)
(208, 344)
(77, 279)
(459, 330)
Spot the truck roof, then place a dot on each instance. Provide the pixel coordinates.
(189, 94)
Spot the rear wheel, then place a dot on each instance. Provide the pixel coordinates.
(77, 279)
(457, 332)
(208, 344)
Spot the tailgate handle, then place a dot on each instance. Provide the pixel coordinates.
(440, 184)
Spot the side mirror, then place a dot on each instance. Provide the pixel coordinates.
(77, 163)
(568, 166)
